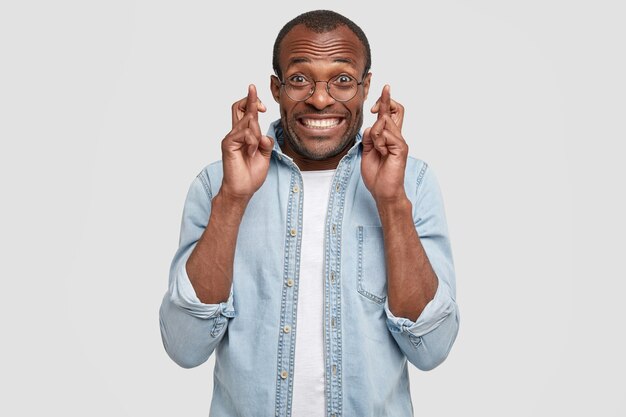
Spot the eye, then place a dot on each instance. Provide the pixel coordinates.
(343, 79)
(298, 80)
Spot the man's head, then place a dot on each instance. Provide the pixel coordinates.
(311, 49)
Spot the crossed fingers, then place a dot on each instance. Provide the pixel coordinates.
(246, 107)
(385, 105)
(245, 121)
(386, 136)
(386, 133)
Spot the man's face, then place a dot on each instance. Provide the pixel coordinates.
(321, 127)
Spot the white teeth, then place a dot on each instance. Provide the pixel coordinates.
(320, 123)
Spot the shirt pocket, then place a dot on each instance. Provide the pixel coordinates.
(371, 269)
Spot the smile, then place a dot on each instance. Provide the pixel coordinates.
(320, 123)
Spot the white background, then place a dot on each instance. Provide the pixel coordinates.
(109, 109)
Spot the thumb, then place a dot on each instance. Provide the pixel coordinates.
(368, 143)
(266, 144)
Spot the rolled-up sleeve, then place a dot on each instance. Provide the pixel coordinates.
(190, 329)
(427, 341)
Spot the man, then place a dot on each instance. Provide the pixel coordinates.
(314, 260)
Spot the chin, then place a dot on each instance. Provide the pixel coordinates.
(319, 142)
(324, 150)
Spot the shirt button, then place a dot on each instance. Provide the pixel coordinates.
(287, 328)
(334, 228)
(332, 277)
(293, 232)
(332, 322)
(334, 370)
(337, 187)
(290, 282)
(295, 189)
(280, 158)
(284, 374)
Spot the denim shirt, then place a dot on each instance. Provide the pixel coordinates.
(253, 333)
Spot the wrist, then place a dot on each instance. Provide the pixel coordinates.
(393, 204)
(229, 208)
(394, 207)
(232, 199)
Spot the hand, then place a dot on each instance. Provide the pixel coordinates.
(245, 151)
(385, 151)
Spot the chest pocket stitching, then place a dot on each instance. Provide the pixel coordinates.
(366, 273)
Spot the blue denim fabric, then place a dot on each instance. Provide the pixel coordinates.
(366, 346)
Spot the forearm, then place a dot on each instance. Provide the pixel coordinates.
(411, 281)
(210, 265)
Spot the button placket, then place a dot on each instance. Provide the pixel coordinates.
(287, 330)
(332, 299)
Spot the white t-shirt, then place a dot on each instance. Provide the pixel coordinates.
(308, 379)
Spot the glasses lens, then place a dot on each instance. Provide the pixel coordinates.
(298, 88)
(342, 87)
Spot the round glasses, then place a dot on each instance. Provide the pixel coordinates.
(341, 88)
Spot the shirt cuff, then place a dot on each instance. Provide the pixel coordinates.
(184, 296)
(435, 312)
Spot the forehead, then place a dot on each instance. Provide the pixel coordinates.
(339, 46)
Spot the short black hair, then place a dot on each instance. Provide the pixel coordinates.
(321, 21)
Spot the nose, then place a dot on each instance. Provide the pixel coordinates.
(320, 98)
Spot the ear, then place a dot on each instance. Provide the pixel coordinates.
(275, 87)
(366, 85)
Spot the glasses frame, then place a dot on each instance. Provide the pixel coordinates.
(314, 87)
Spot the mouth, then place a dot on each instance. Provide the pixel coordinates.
(319, 123)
